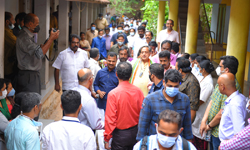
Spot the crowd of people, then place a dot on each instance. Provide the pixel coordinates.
(122, 90)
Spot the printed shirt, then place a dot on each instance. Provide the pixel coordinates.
(191, 87)
(218, 103)
(154, 104)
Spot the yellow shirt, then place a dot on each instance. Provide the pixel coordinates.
(9, 51)
(142, 82)
(53, 22)
(101, 24)
(84, 44)
(90, 36)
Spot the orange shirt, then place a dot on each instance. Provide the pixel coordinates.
(123, 108)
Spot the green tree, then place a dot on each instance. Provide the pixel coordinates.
(123, 6)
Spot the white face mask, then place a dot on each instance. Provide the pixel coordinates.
(4, 94)
(165, 141)
(218, 72)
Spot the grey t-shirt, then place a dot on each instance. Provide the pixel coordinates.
(4, 123)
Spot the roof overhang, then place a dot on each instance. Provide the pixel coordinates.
(92, 1)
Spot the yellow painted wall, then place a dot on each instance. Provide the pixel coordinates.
(227, 2)
(247, 66)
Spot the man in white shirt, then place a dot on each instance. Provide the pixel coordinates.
(93, 61)
(168, 34)
(69, 133)
(69, 62)
(89, 114)
(168, 128)
(234, 113)
(113, 29)
(138, 41)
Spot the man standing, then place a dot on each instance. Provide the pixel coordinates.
(101, 22)
(138, 42)
(9, 48)
(149, 35)
(156, 74)
(19, 23)
(89, 114)
(228, 64)
(106, 80)
(107, 37)
(140, 71)
(120, 43)
(92, 33)
(119, 32)
(169, 129)
(123, 55)
(68, 132)
(30, 55)
(164, 58)
(168, 98)
(21, 133)
(234, 113)
(168, 34)
(100, 43)
(123, 109)
(113, 29)
(69, 62)
(93, 62)
(108, 17)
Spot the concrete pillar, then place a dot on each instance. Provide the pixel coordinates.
(192, 26)
(76, 17)
(173, 12)
(2, 10)
(42, 10)
(84, 17)
(90, 14)
(63, 39)
(94, 12)
(238, 39)
(161, 15)
(28, 6)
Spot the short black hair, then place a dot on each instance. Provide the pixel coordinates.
(175, 47)
(184, 64)
(167, 41)
(141, 28)
(7, 82)
(170, 116)
(71, 100)
(207, 65)
(145, 23)
(100, 15)
(231, 63)
(119, 26)
(120, 35)
(164, 54)
(152, 43)
(150, 33)
(126, 25)
(82, 33)
(7, 15)
(132, 29)
(93, 24)
(124, 48)
(124, 71)
(100, 30)
(74, 36)
(112, 54)
(157, 70)
(193, 56)
(2, 82)
(20, 16)
(200, 58)
(173, 76)
(29, 18)
(17, 106)
(106, 28)
(185, 55)
(171, 20)
(94, 52)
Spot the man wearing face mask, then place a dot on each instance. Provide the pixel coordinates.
(19, 23)
(27, 135)
(169, 128)
(69, 62)
(92, 33)
(156, 74)
(119, 32)
(168, 98)
(101, 22)
(212, 117)
(100, 43)
(120, 43)
(30, 55)
(10, 62)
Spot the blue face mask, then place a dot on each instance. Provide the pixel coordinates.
(132, 33)
(172, 91)
(12, 92)
(92, 28)
(19, 27)
(119, 31)
(165, 141)
(196, 67)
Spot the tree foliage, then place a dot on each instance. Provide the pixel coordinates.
(205, 19)
(123, 6)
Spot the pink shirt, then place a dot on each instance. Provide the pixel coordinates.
(156, 59)
(164, 35)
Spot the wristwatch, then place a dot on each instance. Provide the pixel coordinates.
(209, 126)
(105, 142)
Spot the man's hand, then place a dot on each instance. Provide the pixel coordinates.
(93, 94)
(203, 127)
(57, 87)
(54, 35)
(107, 146)
(101, 93)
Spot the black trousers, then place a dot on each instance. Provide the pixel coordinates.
(124, 139)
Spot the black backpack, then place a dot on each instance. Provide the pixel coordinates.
(144, 144)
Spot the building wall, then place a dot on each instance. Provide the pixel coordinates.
(228, 8)
(12, 6)
(214, 19)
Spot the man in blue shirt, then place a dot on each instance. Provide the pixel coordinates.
(106, 80)
(100, 43)
(156, 74)
(114, 37)
(21, 133)
(168, 98)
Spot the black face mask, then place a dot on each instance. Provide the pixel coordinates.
(36, 29)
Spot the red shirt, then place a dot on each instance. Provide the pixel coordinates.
(123, 108)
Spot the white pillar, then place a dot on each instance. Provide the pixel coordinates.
(63, 25)
(2, 10)
(84, 17)
(76, 17)
(42, 10)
